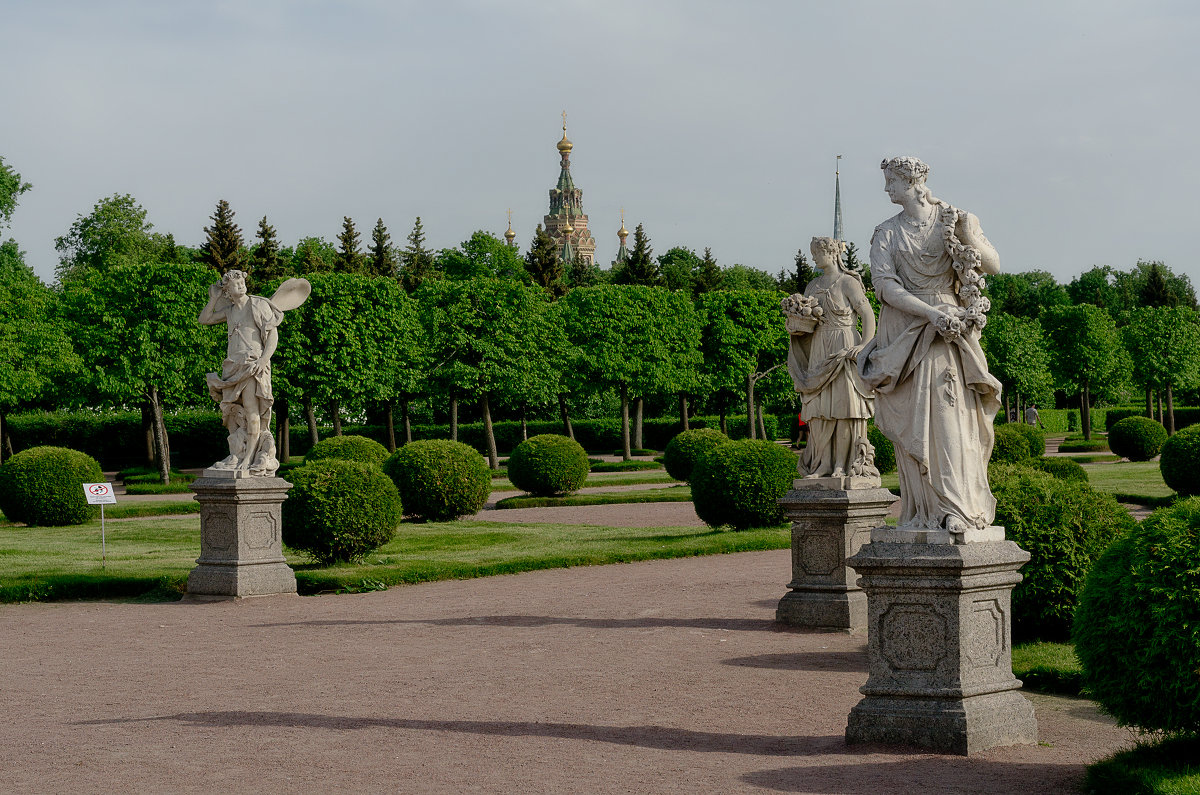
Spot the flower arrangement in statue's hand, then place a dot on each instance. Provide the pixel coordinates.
(803, 313)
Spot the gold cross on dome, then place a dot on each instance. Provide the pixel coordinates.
(564, 115)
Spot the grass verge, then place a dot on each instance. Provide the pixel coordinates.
(150, 559)
(603, 479)
(1094, 459)
(1048, 667)
(1130, 481)
(1084, 446)
(672, 494)
(625, 466)
(1168, 767)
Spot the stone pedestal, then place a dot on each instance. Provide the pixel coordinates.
(939, 642)
(241, 548)
(830, 522)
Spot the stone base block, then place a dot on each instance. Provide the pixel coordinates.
(828, 526)
(241, 544)
(939, 629)
(949, 726)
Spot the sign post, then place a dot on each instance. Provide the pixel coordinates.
(100, 494)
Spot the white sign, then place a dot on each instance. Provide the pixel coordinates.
(99, 493)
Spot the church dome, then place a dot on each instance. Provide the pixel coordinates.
(564, 145)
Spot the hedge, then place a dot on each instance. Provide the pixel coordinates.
(1184, 415)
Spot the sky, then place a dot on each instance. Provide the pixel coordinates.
(1069, 128)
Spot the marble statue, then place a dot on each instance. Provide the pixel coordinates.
(822, 355)
(934, 397)
(243, 387)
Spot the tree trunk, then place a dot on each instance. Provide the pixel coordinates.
(524, 426)
(762, 424)
(391, 426)
(683, 417)
(310, 417)
(1007, 407)
(750, 407)
(283, 430)
(1085, 412)
(1158, 400)
(724, 423)
(163, 459)
(406, 420)
(6, 439)
(493, 458)
(1149, 403)
(637, 424)
(1170, 423)
(454, 419)
(335, 409)
(148, 431)
(566, 417)
(625, 453)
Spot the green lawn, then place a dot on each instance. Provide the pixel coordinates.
(1167, 767)
(1048, 667)
(1131, 481)
(155, 555)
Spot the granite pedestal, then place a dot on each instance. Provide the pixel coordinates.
(831, 520)
(939, 646)
(241, 547)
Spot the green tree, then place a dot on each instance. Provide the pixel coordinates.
(796, 280)
(743, 277)
(1097, 286)
(484, 335)
(542, 263)
(11, 188)
(482, 256)
(224, 249)
(349, 258)
(1017, 356)
(641, 267)
(1085, 353)
(135, 328)
(1025, 294)
(679, 267)
(114, 232)
(743, 340)
(381, 261)
(1164, 345)
(708, 275)
(583, 273)
(265, 260)
(313, 255)
(416, 261)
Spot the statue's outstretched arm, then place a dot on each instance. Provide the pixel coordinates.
(214, 311)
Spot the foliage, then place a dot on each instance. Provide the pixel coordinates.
(1025, 294)
(11, 188)
(1033, 437)
(1065, 525)
(740, 483)
(687, 447)
(439, 479)
(1166, 767)
(1180, 461)
(416, 263)
(1137, 438)
(679, 267)
(266, 263)
(114, 232)
(885, 451)
(1017, 356)
(641, 269)
(795, 281)
(1087, 353)
(44, 486)
(381, 258)
(708, 275)
(348, 448)
(743, 336)
(1011, 446)
(669, 494)
(1048, 667)
(483, 256)
(743, 277)
(625, 466)
(1059, 467)
(547, 465)
(1136, 630)
(350, 258)
(1164, 345)
(339, 510)
(223, 249)
(543, 263)
(313, 255)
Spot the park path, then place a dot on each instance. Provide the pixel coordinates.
(664, 676)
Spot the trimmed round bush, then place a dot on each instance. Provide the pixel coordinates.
(548, 464)
(686, 447)
(1062, 468)
(1033, 437)
(739, 483)
(1011, 446)
(1065, 526)
(1137, 438)
(885, 451)
(1136, 631)
(348, 448)
(1180, 461)
(338, 511)
(44, 486)
(439, 479)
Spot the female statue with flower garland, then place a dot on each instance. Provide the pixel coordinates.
(934, 396)
(821, 360)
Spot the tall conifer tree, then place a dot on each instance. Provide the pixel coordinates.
(642, 267)
(382, 260)
(543, 264)
(416, 261)
(797, 280)
(264, 259)
(708, 276)
(350, 258)
(224, 249)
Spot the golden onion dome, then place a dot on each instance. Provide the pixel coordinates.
(510, 234)
(564, 145)
(568, 228)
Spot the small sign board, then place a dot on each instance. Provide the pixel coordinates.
(99, 493)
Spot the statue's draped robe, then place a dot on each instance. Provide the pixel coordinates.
(934, 399)
(831, 391)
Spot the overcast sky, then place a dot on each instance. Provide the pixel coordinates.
(1069, 128)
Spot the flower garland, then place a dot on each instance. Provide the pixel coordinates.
(967, 265)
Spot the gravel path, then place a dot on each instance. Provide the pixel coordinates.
(665, 676)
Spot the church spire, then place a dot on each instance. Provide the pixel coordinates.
(510, 235)
(567, 223)
(622, 233)
(837, 201)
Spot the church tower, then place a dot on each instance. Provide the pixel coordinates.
(837, 200)
(622, 252)
(567, 224)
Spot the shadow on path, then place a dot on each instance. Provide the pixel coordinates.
(854, 661)
(925, 775)
(740, 624)
(658, 737)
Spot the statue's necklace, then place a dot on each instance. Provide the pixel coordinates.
(919, 224)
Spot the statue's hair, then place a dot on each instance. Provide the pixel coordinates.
(836, 248)
(911, 169)
(230, 275)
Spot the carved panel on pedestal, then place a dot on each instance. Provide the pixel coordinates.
(987, 634)
(261, 530)
(820, 553)
(219, 532)
(913, 637)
